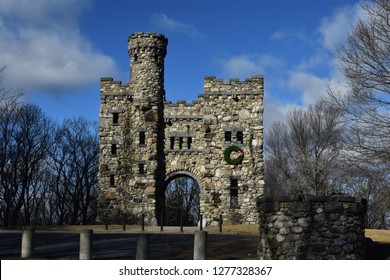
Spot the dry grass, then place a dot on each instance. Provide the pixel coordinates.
(237, 229)
(380, 236)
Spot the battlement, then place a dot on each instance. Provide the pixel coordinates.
(255, 84)
(147, 42)
(111, 87)
(306, 203)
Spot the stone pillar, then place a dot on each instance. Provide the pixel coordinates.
(142, 247)
(28, 242)
(200, 245)
(311, 227)
(86, 244)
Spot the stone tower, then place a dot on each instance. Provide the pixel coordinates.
(131, 126)
(146, 141)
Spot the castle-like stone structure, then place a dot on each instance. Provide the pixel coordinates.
(147, 141)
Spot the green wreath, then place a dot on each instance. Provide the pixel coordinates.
(238, 153)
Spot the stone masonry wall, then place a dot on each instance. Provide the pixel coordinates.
(311, 227)
(225, 106)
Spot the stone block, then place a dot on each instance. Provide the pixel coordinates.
(333, 207)
(296, 229)
(301, 206)
(358, 208)
(269, 207)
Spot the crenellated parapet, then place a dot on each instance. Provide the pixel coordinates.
(255, 84)
(147, 43)
(110, 88)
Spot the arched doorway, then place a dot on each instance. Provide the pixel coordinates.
(182, 200)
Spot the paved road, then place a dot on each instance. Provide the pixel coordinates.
(122, 245)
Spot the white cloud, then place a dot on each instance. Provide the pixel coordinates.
(241, 67)
(334, 29)
(311, 87)
(289, 35)
(245, 66)
(43, 49)
(275, 110)
(171, 25)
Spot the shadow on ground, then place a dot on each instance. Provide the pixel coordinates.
(122, 246)
(377, 250)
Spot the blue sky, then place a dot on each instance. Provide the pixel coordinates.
(57, 50)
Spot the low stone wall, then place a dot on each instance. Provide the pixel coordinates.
(311, 227)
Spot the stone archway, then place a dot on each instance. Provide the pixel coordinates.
(182, 199)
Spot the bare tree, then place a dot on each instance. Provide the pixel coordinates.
(25, 133)
(182, 202)
(8, 104)
(74, 163)
(365, 61)
(48, 173)
(301, 156)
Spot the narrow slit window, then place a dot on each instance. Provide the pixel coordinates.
(228, 137)
(180, 143)
(172, 139)
(141, 168)
(240, 137)
(189, 143)
(142, 138)
(115, 117)
(113, 149)
(112, 180)
(234, 193)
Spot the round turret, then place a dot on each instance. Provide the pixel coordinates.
(144, 45)
(147, 52)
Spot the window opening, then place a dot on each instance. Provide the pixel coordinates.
(234, 193)
(112, 180)
(240, 137)
(115, 117)
(180, 143)
(189, 143)
(228, 137)
(141, 168)
(113, 149)
(142, 138)
(172, 143)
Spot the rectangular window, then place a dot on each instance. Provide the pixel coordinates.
(189, 143)
(228, 137)
(142, 138)
(115, 117)
(240, 137)
(113, 149)
(172, 143)
(180, 143)
(234, 193)
(112, 180)
(141, 168)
